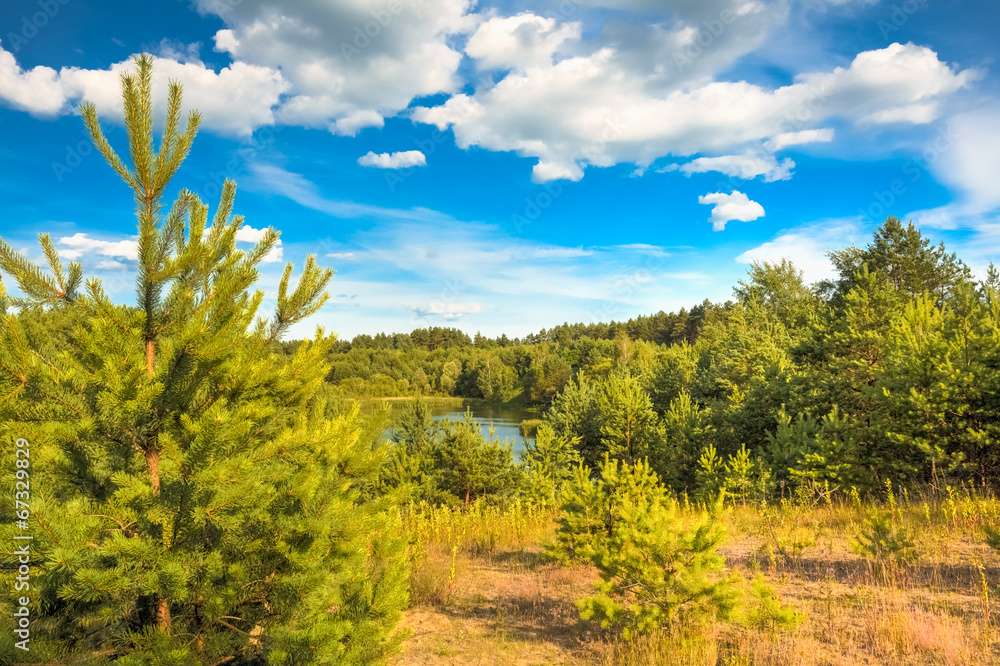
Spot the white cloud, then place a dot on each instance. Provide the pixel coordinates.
(355, 121)
(393, 161)
(248, 234)
(275, 180)
(641, 248)
(448, 311)
(786, 139)
(806, 247)
(235, 100)
(632, 116)
(110, 266)
(746, 166)
(522, 41)
(38, 90)
(560, 252)
(965, 155)
(544, 172)
(275, 255)
(349, 63)
(729, 207)
(916, 114)
(340, 255)
(80, 245)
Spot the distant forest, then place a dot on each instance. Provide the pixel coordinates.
(890, 369)
(441, 361)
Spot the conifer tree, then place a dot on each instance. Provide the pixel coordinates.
(193, 500)
(655, 566)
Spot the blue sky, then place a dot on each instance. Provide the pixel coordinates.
(506, 166)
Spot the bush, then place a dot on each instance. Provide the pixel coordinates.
(655, 566)
(886, 544)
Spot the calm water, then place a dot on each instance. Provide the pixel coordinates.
(505, 420)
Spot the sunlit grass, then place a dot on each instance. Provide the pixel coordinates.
(479, 571)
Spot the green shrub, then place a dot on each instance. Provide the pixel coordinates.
(885, 543)
(655, 565)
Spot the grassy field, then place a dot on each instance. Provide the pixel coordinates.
(482, 592)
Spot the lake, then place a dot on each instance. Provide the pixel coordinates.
(506, 420)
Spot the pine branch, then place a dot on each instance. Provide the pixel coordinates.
(169, 131)
(37, 287)
(89, 113)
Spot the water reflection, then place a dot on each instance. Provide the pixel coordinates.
(505, 419)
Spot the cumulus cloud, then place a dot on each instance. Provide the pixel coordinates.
(730, 207)
(349, 63)
(522, 41)
(620, 116)
(394, 160)
(248, 234)
(80, 245)
(235, 100)
(746, 166)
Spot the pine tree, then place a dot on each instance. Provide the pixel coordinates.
(549, 461)
(630, 428)
(194, 502)
(655, 565)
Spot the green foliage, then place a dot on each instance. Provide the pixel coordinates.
(655, 566)
(629, 427)
(495, 380)
(992, 537)
(549, 461)
(886, 543)
(576, 413)
(778, 289)
(545, 377)
(446, 462)
(469, 465)
(765, 612)
(711, 476)
(829, 455)
(529, 427)
(687, 431)
(740, 474)
(198, 501)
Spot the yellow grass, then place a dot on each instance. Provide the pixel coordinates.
(483, 594)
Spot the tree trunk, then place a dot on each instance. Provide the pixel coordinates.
(153, 467)
(163, 620)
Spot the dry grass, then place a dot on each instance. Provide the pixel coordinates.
(484, 595)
